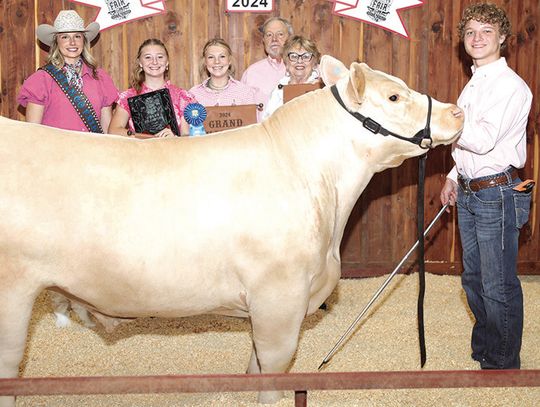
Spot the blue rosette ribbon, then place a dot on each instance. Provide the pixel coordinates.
(195, 114)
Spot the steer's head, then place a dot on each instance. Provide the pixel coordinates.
(389, 102)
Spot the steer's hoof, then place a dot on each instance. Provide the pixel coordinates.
(62, 320)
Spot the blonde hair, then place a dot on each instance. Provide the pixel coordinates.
(56, 58)
(297, 41)
(138, 75)
(219, 42)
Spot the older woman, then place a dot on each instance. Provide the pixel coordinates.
(301, 58)
(71, 73)
(220, 88)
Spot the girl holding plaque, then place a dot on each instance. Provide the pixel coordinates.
(151, 74)
(220, 88)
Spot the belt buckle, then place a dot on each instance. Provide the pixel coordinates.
(495, 181)
(464, 182)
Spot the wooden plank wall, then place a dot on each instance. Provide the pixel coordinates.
(382, 226)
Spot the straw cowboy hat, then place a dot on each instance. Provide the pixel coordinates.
(67, 21)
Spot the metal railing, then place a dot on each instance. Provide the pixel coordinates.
(300, 383)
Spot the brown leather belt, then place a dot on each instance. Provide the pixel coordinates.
(477, 185)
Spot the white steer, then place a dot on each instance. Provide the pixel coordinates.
(246, 222)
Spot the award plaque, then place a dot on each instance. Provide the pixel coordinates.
(230, 117)
(152, 112)
(292, 91)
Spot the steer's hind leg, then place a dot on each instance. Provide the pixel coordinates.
(253, 367)
(275, 319)
(15, 315)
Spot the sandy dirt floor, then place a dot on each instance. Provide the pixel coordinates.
(385, 340)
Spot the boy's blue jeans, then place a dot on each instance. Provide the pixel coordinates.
(489, 222)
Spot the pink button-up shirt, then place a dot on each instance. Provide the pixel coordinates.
(40, 88)
(264, 75)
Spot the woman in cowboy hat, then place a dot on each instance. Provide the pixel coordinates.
(70, 78)
(70, 91)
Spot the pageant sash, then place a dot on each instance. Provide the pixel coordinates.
(77, 98)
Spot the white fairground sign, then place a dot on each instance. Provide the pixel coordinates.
(382, 13)
(115, 12)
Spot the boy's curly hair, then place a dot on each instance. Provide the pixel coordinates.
(486, 13)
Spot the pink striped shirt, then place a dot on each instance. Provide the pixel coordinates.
(235, 93)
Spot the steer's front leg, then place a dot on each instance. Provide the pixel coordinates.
(15, 315)
(276, 317)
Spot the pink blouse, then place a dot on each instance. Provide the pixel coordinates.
(41, 89)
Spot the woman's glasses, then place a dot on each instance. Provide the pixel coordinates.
(295, 56)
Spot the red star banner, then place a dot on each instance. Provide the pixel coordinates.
(115, 12)
(381, 13)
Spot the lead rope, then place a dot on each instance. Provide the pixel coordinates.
(424, 134)
(421, 260)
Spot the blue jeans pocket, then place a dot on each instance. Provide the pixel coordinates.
(522, 204)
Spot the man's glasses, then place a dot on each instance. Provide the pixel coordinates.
(295, 56)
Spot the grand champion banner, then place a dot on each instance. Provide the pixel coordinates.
(115, 12)
(381, 13)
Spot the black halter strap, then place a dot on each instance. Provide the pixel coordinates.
(376, 128)
(424, 134)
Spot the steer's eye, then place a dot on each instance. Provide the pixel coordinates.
(394, 98)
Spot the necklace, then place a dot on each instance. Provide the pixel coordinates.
(152, 88)
(214, 87)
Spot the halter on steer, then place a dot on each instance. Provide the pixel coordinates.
(376, 128)
(424, 134)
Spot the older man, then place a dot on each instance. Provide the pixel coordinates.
(266, 73)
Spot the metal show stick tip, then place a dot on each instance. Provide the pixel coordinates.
(379, 291)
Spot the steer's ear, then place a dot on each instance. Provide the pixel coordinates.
(332, 70)
(357, 84)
